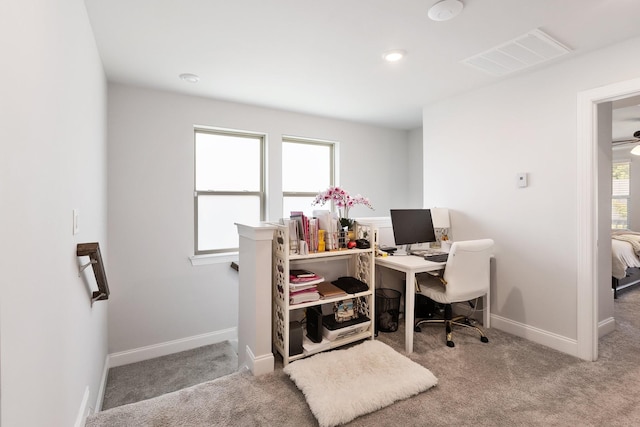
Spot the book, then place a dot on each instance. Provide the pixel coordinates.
(301, 286)
(306, 279)
(307, 295)
(293, 280)
(313, 235)
(292, 225)
(302, 273)
(329, 290)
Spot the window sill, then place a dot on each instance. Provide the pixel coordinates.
(225, 258)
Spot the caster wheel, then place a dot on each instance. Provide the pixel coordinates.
(417, 329)
(484, 339)
(450, 344)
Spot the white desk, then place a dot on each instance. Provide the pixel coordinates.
(410, 265)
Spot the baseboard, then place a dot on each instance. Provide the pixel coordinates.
(170, 347)
(606, 326)
(548, 339)
(259, 365)
(234, 344)
(81, 418)
(103, 384)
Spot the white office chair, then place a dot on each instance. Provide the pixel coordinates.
(466, 277)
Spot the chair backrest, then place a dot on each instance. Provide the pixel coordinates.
(468, 269)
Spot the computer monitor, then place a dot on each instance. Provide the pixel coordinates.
(411, 226)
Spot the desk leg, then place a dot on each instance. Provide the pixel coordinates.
(409, 311)
(486, 319)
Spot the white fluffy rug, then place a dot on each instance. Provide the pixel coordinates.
(341, 385)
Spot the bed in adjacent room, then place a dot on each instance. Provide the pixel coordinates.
(625, 254)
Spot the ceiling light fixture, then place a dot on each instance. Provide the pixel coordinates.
(394, 55)
(445, 10)
(636, 149)
(191, 78)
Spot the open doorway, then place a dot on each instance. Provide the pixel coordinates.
(626, 161)
(625, 188)
(594, 261)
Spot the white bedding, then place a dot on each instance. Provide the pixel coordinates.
(623, 256)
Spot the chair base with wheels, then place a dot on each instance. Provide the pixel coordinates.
(466, 277)
(449, 321)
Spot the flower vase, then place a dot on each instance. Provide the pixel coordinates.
(346, 232)
(343, 238)
(343, 232)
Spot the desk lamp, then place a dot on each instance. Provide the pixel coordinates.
(441, 224)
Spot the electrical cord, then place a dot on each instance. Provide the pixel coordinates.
(473, 309)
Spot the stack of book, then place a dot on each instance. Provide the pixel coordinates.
(303, 286)
(304, 232)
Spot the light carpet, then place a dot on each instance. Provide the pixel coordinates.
(155, 377)
(510, 381)
(344, 384)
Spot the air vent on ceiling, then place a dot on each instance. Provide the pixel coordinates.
(525, 51)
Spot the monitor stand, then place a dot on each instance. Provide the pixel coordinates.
(404, 252)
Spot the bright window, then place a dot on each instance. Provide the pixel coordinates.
(229, 187)
(307, 169)
(620, 195)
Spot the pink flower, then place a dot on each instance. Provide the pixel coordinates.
(341, 199)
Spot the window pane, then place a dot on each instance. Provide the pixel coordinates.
(227, 162)
(217, 216)
(305, 167)
(620, 170)
(620, 187)
(300, 204)
(620, 193)
(619, 213)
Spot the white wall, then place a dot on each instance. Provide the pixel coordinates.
(524, 124)
(157, 295)
(53, 159)
(416, 175)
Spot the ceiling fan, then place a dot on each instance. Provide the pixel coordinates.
(635, 140)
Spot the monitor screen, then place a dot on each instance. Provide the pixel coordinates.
(412, 226)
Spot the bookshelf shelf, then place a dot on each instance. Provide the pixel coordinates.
(328, 254)
(358, 263)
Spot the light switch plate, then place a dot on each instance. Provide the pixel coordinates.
(76, 226)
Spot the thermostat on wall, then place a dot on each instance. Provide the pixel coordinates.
(522, 179)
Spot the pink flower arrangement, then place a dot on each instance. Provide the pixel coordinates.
(342, 200)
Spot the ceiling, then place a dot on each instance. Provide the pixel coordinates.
(325, 57)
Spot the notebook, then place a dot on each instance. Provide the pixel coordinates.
(329, 290)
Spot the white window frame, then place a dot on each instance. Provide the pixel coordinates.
(197, 193)
(626, 197)
(333, 145)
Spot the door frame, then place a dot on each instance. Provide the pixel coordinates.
(587, 221)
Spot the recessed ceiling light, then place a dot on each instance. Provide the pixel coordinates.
(445, 10)
(394, 55)
(191, 78)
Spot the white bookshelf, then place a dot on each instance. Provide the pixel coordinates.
(358, 263)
